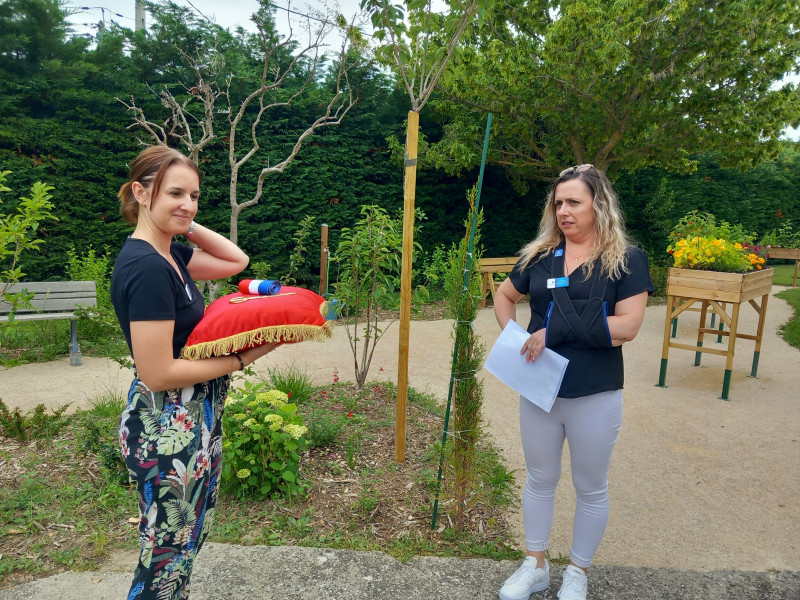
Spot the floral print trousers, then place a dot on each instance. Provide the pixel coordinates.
(171, 442)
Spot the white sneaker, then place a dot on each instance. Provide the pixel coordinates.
(526, 580)
(575, 585)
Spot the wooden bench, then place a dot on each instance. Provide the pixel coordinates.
(53, 300)
(790, 254)
(490, 266)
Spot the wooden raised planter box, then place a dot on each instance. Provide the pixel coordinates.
(789, 254)
(714, 291)
(722, 287)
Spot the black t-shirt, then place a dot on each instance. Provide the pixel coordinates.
(145, 287)
(590, 370)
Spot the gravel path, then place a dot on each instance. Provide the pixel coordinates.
(696, 482)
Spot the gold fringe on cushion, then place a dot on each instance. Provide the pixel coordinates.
(255, 337)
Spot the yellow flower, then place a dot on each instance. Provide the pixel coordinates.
(295, 430)
(243, 473)
(276, 398)
(275, 422)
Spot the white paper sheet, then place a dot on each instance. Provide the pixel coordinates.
(538, 381)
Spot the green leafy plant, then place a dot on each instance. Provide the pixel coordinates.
(98, 324)
(32, 341)
(368, 499)
(18, 234)
(659, 273)
(369, 271)
(36, 424)
(697, 224)
(90, 266)
(699, 242)
(694, 224)
(464, 296)
(713, 254)
(297, 257)
(784, 236)
(352, 447)
(292, 381)
(434, 268)
(324, 427)
(261, 269)
(97, 432)
(264, 438)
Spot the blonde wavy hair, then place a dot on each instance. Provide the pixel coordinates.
(610, 239)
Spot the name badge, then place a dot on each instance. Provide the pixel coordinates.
(559, 252)
(557, 282)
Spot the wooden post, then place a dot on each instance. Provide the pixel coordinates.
(409, 196)
(323, 261)
(726, 381)
(662, 376)
(700, 332)
(762, 317)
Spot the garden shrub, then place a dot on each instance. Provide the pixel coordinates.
(264, 436)
(101, 437)
(35, 424)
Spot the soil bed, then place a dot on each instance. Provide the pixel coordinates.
(59, 512)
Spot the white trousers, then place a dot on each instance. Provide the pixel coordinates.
(591, 425)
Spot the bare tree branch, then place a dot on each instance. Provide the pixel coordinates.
(195, 129)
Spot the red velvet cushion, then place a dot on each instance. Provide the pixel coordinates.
(294, 315)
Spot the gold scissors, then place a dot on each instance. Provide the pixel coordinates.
(240, 299)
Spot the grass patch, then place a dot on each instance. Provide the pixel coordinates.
(63, 506)
(292, 381)
(784, 274)
(33, 341)
(57, 511)
(791, 329)
(24, 342)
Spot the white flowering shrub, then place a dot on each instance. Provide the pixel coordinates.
(263, 436)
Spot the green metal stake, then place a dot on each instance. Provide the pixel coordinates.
(726, 384)
(697, 355)
(464, 290)
(754, 370)
(662, 376)
(674, 326)
(721, 328)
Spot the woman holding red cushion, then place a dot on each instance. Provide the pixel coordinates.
(171, 428)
